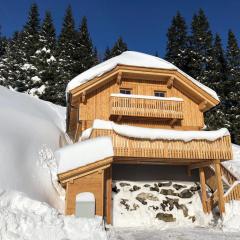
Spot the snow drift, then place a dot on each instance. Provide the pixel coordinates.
(31, 130)
(24, 218)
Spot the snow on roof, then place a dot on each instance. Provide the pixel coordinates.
(83, 153)
(153, 133)
(131, 58)
(146, 97)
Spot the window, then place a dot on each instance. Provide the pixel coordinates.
(159, 94)
(125, 90)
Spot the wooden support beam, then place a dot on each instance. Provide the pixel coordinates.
(109, 196)
(202, 106)
(200, 165)
(119, 78)
(173, 121)
(203, 189)
(119, 118)
(170, 82)
(219, 188)
(84, 100)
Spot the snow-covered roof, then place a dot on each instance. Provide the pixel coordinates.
(131, 58)
(80, 154)
(146, 97)
(154, 133)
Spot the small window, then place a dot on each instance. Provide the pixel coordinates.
(159, 94)
(125, 90)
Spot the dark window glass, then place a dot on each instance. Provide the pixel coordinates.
(159, 94)
(125, 91)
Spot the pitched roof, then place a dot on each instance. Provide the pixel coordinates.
(131, 58)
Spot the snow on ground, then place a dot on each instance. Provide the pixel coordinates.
(70, 157)
(234, 165)
(31, 130)
(27, 219)
(132, 58)
(154, 133)
(171, 234)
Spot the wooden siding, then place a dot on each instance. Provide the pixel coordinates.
(163, 149)
(140, 107)
(90, 183)
(97, 105)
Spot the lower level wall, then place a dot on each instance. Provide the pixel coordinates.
(93, 183)
(139, 172)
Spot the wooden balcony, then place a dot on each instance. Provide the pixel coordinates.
(171, 151)
(145, 107)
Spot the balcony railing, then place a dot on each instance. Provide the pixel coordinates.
(166, 149)
(146, 107)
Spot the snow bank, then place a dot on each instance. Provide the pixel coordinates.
(146, 97)
(24, 218)
(234, 165)
(83, 153)
(153, 134)
(131, 58)
(231, 217)
(30, 131)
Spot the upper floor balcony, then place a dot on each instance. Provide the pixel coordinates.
(146, 106)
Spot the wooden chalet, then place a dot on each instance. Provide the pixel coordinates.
(139, 90)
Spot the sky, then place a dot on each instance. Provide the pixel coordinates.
(143, 24)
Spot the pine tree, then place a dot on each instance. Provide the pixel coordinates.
(200, 45)
(217, 75)
(22, 72)
(86, 54)
(119, 47)
(66, 55)
(177, 43)
(232, 86)
(107, 54)
(45, 59)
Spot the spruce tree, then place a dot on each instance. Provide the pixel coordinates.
(86, 54)
(45, 59)
(200, 46)
(232, 86)
(119, 47)
(107, 54)
(217, 75)
(177, 43)
(66, 52)
(26, 44)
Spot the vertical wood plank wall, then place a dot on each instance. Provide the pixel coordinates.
(91, 183)
(97, 104)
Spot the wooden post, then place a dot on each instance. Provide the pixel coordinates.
(109, 196)
(219, 187)
(203, 189)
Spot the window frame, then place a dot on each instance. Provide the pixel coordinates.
(159, 91)
(125, 89)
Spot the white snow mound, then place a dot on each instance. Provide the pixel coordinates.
(24, 218)
(31, 130)
(131, 58)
